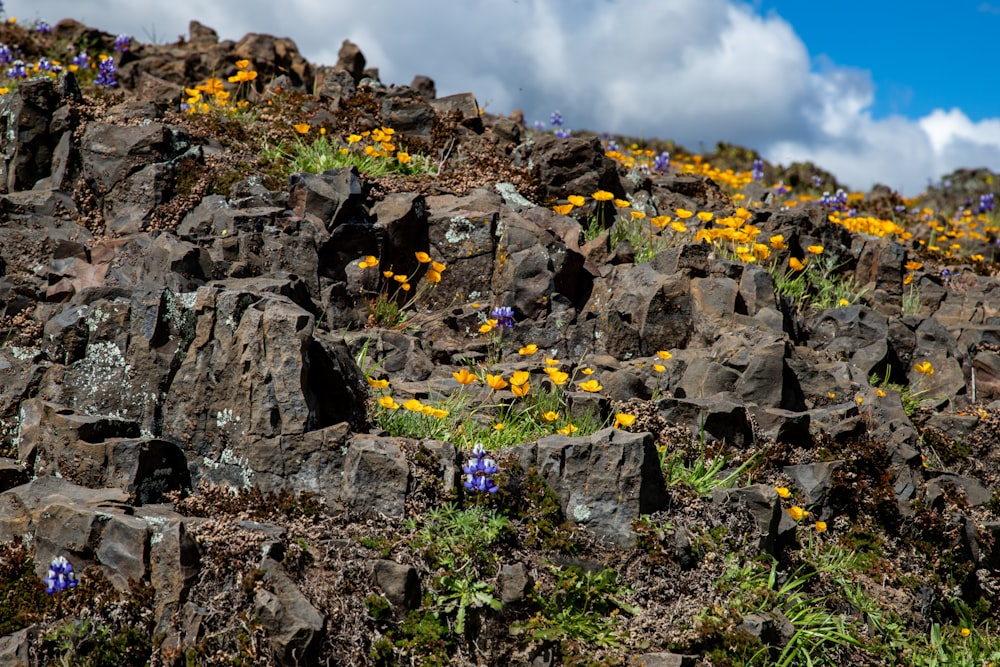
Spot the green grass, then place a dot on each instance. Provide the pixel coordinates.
(322, 154)
(818, 285)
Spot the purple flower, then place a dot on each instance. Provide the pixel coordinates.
(986, 202)
(556, 119)
(44, 65)
(757, 171)
(106, 73)
(563, 134)
(123, 43)
(900, 209)
(538, 125)
(43, 28)
(82, 61)
(6, 54)
(504, 315)
(478, 470)
(17, 70)
(60, 576)
(817, 181)
(612, 146)
(661, 162)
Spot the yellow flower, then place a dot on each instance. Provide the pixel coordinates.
(592, 386)
(924, 367)
(437, 412)
(576, 200)
(519, 378)
(761, 251)
(659, 368)
(550, 416)
(637, 215)
(353, 138)
(557, 376)
(562, 209)
(301, 128)
(242, 64)
(242, 76)
(499, 426)
(623, 419)
(880, 393)
(368, 262)
(778, 242)
(378, 384)
(976, 258)
(433, 276)
(966, 632)
(795, 264)
(531, 348)
(663, 354)
(859, 400)
(660, 221)
(797, 512)
(815, 249)
(831, 395)
(487, 326)
(464, 376)
(422, 257)
(678, 226)
(587, 371)
(820, 526)
(603, 195)
(496, 382)
(400, 278)
(551, 362)
(843, 302)
(683, 213)
(387, 274)
(438, 266)
(913, 265)
(403, 157)
(520, 390)
(908, 278)
(413, 405)
(569, 429)
(622, 203)
(705, 216)
(783, 491)
(387, 403)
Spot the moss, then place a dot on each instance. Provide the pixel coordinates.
(533, 502)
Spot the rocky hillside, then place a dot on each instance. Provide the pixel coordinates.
(298, 367)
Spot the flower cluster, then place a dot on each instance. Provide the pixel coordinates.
(479, 470)
(60, 576)
(123, 43)
(106, 73)
(757, 171)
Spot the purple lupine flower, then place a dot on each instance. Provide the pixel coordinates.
(123, 43)
(478, 470)
(946, 184)
(556, 119)
(817, 181)
(780, 190)
(43, 28)
(82, 61)
(900, 209)
(17, 70)
(661, 163)
(986, 202)
(60, 576)
(6, 54)
(504, 315)
(43, 65)
(563, 134)
(757, 171)
(106, 73)
(538, 125)
(612, 146)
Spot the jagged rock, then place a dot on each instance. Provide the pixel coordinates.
(775, 527)
(28, 140)
(129, 169)
(815, 479)
(714, 418)
(604, 481)
(973, 491)
(376, 476)
(272, 56)
(294, 625)
(461, 232)
(461, 107)
(16, 647)
(12, 474)
(573, 166)
(399, 583)
(515, 583)
(401, 355)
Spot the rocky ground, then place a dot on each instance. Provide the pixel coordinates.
(255, 314)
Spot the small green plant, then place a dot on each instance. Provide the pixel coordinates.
(581, 606)
(815, 282)
(704, 473)
(389, 306)
(373, 152)
(911, 399)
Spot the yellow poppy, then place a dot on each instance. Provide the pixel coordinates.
(815, 249)
(519, 378)
(795, 264)
(603, 195)
(377, 384)
(576, 200)
(924, 367)
(422, 257)
(388, 403)
(496, 382)
(683, 213)
(592, 386)
(783, 491)
(622, 203)
(705, 216)
(464, 376)
(301, 128)
(623, 419)
(663, 354)
(550, 416)
(531, 348)
(562, 209)
(520, 390)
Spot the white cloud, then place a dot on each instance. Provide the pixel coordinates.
(690, 70)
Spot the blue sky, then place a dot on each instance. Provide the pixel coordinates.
(897, 93)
